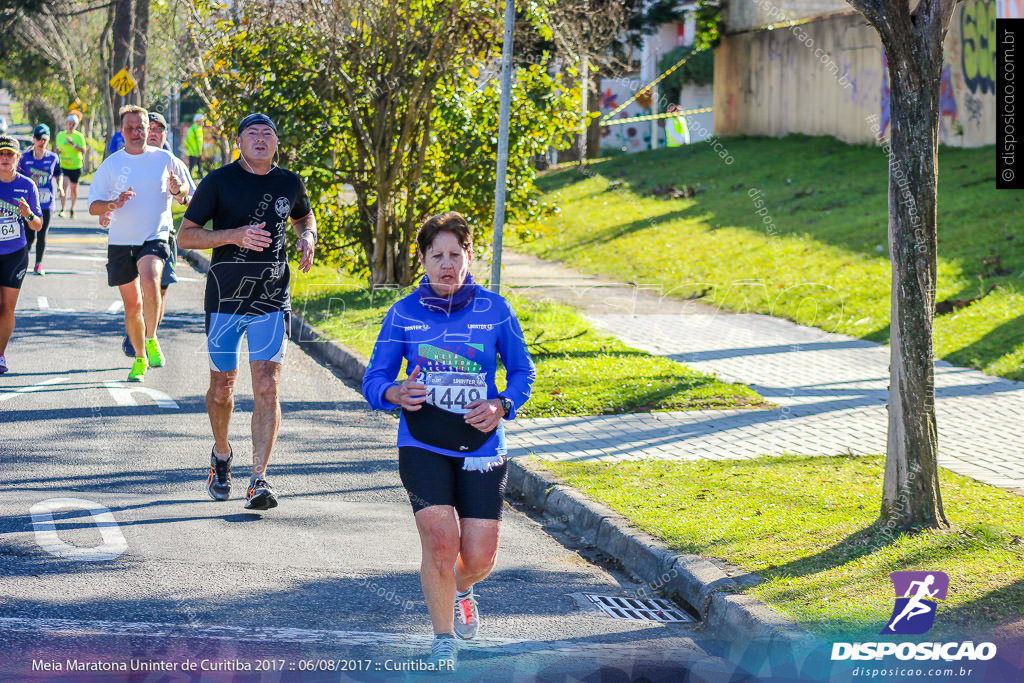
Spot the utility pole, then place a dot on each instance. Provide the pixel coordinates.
(506, 105)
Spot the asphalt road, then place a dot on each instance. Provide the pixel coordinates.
(144, 567)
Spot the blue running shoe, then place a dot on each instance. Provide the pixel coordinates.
(126, 346)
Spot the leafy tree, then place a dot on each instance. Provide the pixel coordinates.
(392, 101)
(913, 46)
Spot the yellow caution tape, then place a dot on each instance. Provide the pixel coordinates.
(651, 117)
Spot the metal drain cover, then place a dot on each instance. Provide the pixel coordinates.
(637, 609)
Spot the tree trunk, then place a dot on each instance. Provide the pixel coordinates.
(140, 45)
(910, 496)
(123, 30)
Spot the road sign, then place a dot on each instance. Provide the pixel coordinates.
(123, 82)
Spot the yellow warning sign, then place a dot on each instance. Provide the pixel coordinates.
(123, 82)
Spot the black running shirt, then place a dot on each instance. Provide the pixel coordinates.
(243, 281)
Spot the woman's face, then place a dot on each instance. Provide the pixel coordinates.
(446, 263)
(8, 161)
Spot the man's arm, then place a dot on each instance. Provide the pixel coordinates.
(305, 228)
(100, 207)
(191, 235)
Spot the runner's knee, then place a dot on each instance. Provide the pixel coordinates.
(222, 389)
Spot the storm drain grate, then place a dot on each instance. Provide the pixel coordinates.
(636, 609)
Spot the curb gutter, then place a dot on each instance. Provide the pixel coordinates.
(760, 640)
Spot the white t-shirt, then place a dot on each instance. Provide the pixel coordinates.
(147, 215)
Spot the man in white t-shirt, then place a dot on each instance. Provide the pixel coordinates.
(132, 190)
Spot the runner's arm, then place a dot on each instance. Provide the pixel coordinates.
(305, 228)
(191, 235)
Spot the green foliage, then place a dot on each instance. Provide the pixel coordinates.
(289, 71)
(807, 526)
(699, 68)
(461, 164)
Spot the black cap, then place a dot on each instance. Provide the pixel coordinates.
(255, 119)
(9, 144)
(156, 117)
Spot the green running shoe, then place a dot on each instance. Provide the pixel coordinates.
(138, 372)
(153, 353)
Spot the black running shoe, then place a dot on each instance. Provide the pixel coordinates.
(219, 484)
(260, 495)
(126, 346)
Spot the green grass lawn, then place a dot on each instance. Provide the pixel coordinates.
(580, 371)
(806, 526)
(821, 259)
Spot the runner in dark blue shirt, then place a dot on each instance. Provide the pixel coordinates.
(43, 167)
(19, 213)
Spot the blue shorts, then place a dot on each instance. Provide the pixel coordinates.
(267, 335)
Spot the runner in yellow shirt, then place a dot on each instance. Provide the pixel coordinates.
(71, 147)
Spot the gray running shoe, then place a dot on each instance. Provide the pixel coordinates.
(443, 653)
(467, 616)
(219, 482)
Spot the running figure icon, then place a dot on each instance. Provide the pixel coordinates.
(917, 595)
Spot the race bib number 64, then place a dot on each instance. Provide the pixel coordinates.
(10, 228)
(453, 391)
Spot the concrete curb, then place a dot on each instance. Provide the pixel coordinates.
(760, 640)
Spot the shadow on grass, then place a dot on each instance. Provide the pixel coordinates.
(855, 546)
(992, 345)
(1004, 605)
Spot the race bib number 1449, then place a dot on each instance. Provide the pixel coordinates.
(453, 391)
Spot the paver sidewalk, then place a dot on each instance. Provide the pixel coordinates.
(831, 389)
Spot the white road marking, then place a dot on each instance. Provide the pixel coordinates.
(277, 635)
(42, 303)
(105, 316)
(122, 395)
(116, 307)
(114, 543)
(35, 387)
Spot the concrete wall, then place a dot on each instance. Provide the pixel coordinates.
(827, 76)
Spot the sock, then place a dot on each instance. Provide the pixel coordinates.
(464, 594)
(221, 456)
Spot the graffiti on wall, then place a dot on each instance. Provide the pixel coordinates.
(978, 58)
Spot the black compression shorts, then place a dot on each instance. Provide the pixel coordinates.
(434, 479)
(13, 267)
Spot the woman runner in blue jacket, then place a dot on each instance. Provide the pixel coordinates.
(451, 443)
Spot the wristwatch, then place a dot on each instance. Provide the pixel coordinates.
(506, 404)
(311, 232)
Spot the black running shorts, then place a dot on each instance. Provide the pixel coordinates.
(13, 267)
(434, 479)
(72, 174)
(122, 259)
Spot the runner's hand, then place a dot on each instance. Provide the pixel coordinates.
(60, 190)
(173, 183)
(306, 248)
(409, 394)
(122, 199)
(105, 220)
(23, 208)
(486, 414)
(252, 237)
